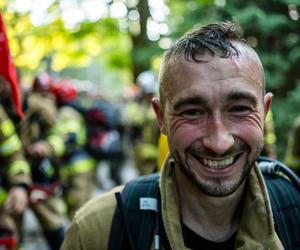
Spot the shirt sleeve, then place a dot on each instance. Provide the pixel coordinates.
(72, 239)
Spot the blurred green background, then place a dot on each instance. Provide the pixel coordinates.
(110, 42)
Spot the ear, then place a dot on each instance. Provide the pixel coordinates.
(267, 102)
(156, 105)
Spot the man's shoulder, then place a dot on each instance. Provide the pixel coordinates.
(99, 208)
(91, 224)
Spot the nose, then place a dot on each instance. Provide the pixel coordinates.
(218, 137)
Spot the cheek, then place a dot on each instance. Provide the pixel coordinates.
(182, 134)
(250, 133)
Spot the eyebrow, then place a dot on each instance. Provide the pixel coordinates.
(193, 100)
(198, 100)
(242, 95)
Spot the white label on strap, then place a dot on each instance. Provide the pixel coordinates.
(148, 204)
(156, 242)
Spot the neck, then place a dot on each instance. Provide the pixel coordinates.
(214, 218)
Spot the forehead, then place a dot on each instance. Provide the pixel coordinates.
(243, 68)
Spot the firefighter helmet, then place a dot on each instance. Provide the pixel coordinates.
(42, 82)
(64, 91)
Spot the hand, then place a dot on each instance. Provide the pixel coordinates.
(16, 201)
(39, 150)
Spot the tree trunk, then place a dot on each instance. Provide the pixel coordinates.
(140, 41)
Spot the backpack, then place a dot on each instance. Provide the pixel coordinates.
(103, 143)
(102, 128)
(137, 220)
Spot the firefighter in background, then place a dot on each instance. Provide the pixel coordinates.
(292, 157)
(131, 120)
(77, 166)
(269, 148)
(15, 177)
(140, 116)
(104, 134)
(163, 150)
(45, 201)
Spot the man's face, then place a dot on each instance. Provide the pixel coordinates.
(214, 117)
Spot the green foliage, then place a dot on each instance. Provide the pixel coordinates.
(286, 110)
(148, 53)
(54, 47)
(275, 69)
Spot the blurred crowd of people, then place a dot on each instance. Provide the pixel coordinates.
(52, 156)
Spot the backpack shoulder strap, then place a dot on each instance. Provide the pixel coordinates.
(284, 196)
(136, 215)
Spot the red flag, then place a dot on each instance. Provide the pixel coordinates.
(8, 70)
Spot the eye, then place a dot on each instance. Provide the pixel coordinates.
(193, 112)
(240, 109)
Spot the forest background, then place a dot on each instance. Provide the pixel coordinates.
(109, 42)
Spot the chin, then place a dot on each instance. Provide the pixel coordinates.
(219, 186)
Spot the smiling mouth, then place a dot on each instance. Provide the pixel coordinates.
(218, 164)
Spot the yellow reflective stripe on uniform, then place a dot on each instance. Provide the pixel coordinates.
(78, 167)
(7, 127)
(76, 127)
(82, 136)
(57, 143)
(163, 150)
(147, 151)
(18, 167)
(11, 145)
(62, 129)
(269, 117)
(3, 196)
(269, 134)
(69, 126)
(270, 138)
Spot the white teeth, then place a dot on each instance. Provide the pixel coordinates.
(218, 164)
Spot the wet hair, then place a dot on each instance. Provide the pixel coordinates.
(214, 39)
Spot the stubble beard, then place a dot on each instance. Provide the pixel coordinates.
(216, 187)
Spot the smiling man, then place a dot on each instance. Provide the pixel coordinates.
(213, 112)
(212, 108)
(212, 195)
